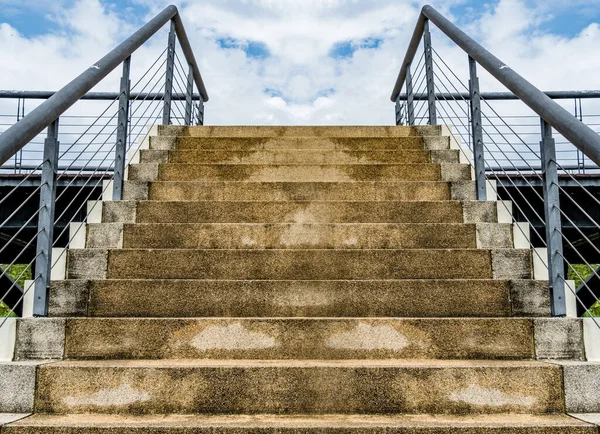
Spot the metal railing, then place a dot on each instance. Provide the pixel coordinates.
(513, 152)
(75, 125)
(88, 163)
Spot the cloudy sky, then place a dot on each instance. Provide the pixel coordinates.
(299, 61)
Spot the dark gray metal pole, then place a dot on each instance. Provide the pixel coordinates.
(410, 97)
(122, 130)
(429, 75)
(43, 262)
(188, 96)
(398, 111)
(556, 266)
(200, 114)
(477, 131)
(169, 75)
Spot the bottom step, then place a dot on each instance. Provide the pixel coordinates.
(338, 424)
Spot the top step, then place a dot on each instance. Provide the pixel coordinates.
(304, 131)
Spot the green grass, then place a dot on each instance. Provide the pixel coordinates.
(579, 273)
(20, 273)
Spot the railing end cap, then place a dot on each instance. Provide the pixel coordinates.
(173, 8)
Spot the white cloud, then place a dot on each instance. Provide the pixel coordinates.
(310, 86)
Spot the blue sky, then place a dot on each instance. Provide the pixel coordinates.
(33, 18)
(300, 61)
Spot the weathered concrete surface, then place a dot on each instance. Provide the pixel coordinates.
(122, 211)
(142, 172)
(299, 212)
(40, 339)
(298, 156)
(494, 235)
(104, 236)
(264, 132)
(317, 338)
(511, 263)
(455, 172)
(530, 298)
(292, 387)
(332, 298)
(292, 173)
(17, 386)
(581, 383)
(303, 235)
(445, 156)
(463, 190)
(286, 191)
(559, 338)
(87, 264)
(299, 264)
(478, 211)
(135, 190)
(68, 298)
(298, 424)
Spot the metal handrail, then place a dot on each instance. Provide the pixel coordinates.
(498, 96)
(17, 136)
(93, 96)
(579, 134)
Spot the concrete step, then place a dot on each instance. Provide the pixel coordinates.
(299, 173)
(299, 386)
(313, 191)
(300, 424)
(367, 143)
(299, 212)
(299, 338)
(301, 236)
(298, 264)
(295, 156)
(296, 298)
(263, 132)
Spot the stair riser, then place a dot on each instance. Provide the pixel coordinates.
(262, 173)
(296, 156)
(485, 429)
(185, 298)
(334, 132)
(299, 339)
(299, 264)
(295, 191)
(329, 424)
(299, 212)
(298, 236)
(299, 390)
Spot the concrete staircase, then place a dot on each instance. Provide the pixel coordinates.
(299, 280)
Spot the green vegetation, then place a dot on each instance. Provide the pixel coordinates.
(20, 273)
(579, 273)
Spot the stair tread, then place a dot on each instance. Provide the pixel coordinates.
(304, 363)
(300, 421)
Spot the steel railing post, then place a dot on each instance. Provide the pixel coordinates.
(477, 131)
(200, 114)
(169, 76)
(556, 266)
(43, 262)
(429, 75)
(189, 96)
(122, 130)
(410, 97)
(398, 111)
